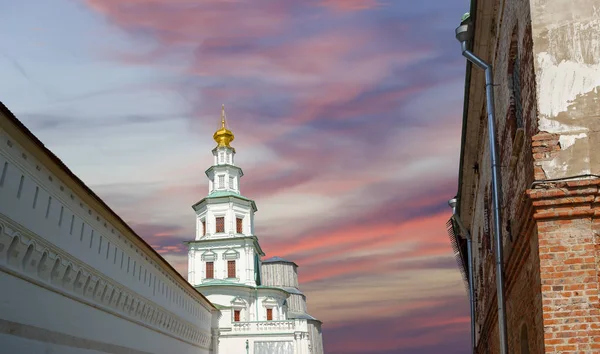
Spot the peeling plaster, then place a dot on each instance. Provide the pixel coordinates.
(559, 84)
(568, 140)
(566, 38)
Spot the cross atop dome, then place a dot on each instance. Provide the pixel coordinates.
(223, 136)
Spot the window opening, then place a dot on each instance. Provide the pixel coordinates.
(210, 270)
(230, 269)
(220, 221)
(239, 223)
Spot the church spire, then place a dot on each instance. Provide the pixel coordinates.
(222, 116)
(223, 136)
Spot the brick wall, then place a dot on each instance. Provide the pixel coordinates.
(567, 222)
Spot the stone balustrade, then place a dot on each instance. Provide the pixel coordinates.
(287, 326)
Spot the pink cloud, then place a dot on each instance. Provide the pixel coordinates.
(183, 22)
(412, 230)
(351, 5)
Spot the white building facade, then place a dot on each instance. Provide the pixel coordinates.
(262, 309)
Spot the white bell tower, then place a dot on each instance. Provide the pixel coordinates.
(225, 247)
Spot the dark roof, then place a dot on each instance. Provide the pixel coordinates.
(278, 260)
(13, 119)
(303, 316)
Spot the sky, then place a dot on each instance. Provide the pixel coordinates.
(347, 118)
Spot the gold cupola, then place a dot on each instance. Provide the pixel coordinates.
(223, 136)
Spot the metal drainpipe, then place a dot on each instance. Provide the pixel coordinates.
(489, 91)
(467, 235)
(471, 293)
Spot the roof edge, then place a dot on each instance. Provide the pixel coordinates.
(469, 65)
(238, 196)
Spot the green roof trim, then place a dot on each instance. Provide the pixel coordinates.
(224, 282)
(220, 307)
(226, 194)
(465, 17)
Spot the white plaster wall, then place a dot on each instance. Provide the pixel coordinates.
(295, 332)
(252, 310)
(54, 220)
(237, 344)
(228, 156)
(223, 159)
(73, 324)
(231, 179)
(244, 264)
(229, 210)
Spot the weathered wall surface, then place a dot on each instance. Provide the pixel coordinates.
(73, 279)
(504, 39)
(566, 46)
(566, 37)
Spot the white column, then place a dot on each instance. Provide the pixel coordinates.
(305, 343)
(198, 226)
(248, 268)
(191, 266)
(298, 349)
(231, 219)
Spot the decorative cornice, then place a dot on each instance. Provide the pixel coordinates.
(222, 283)
(568, 199)
(30, 257)
(223, 166)
(228, 198)
(254, 239)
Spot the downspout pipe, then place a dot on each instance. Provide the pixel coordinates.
(467, 235)
(463, 35)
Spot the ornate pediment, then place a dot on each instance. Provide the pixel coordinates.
(270, 301)
(231, 254)
(238, 302)
(209, 256)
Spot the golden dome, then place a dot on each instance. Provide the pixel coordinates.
(223, 136)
